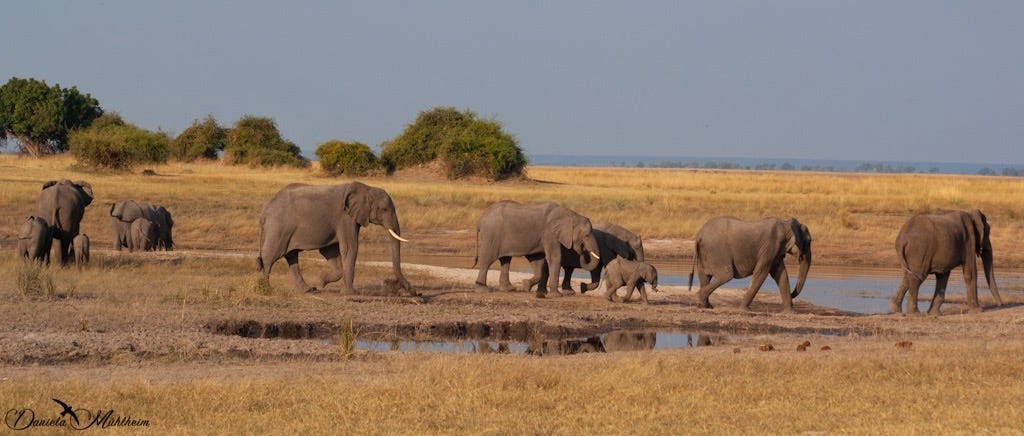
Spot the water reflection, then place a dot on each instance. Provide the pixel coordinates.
(617, 341)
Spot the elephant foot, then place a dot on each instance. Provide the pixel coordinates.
(540, 294)
(506, 288)
(482, 287)
(977, 309)
(312, 290)
(705, 305)
(895, 307)
(788, 310)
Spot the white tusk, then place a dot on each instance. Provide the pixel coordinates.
(595, 256)
(395, 235)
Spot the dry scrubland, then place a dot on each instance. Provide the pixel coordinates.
(966, 382)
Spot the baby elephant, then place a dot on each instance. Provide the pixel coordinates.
(632, 274)
(34, 240)
(81, 249)
(144, 234)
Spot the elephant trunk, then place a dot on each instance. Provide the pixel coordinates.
(588, 251)
(639, 253)
(396, 251)
(986, 260)
(805, 266)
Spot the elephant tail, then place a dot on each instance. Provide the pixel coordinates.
(906, 267)
(259, 255)
(476, 257)
(696, 258)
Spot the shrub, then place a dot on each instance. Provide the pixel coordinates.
(465, 145)
(202, 140)
(110, 142)
(351, 158)
(256, 141)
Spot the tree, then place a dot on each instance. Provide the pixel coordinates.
(39, 117)
(257, 142)
(465, 145)
(202, 140)
(351, 158)
(110, 142)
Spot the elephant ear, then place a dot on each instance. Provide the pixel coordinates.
(357, 203)
(49, 184)
(562, 226)
(980, 223)
(797, 238)
(86, 189)
(25, 232)
(127, 211)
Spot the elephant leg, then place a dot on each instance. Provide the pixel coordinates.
(504, 284)
(913, 285)
(595, 280)
(896, 302)
(293, 265)
(781, 278)
(484, 263)
(940, 294)
(756, 281)
(554, 264)
(713, 282)
(631, 286)
(642, 288)
(971, 283)
(537, 265)
(567, 278)
(333, 255)
(611, 285)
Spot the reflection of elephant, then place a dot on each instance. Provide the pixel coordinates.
(144, 235)
(81, 245)
(326, 218)
(62, 204)
(34, 240)
(612, 241)
(124, 212)
(726, 248)
(536, 231)
(631, 274)
(629, 341)
(935, 243)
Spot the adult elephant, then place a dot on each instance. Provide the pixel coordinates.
(62, 204)
(726, 248)
(612, 241)
(935, 243)
(125, 212)
(538, 232)
(326, 218)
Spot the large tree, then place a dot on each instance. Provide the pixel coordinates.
(257, 142)
(39, 117)
(202, 140)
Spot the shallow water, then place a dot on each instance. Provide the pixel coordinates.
(617, 341)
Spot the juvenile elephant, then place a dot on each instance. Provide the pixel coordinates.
(326, 218)
(726, 248)
(81, 248)
(144, 235)
(612, 241)
(124, 212)
(935, 243)
(633, 275)
(538, 232)
(62, 204)
(34, 240)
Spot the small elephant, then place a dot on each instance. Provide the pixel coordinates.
(81, 249)
(612, 241)
(726, 248)
(144, 235)
(633, 275)
(124, 212)
(34, 240)
(935, 243)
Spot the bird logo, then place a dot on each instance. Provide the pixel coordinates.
(67, 411)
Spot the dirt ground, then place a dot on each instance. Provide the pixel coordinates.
(82, 330)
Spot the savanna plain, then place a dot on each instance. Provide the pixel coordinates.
(192, 340)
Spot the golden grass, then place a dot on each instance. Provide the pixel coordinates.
(957, 388)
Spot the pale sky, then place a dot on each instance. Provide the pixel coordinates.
(926, 81)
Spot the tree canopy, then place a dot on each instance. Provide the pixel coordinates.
(257, 142)
(39, 117)
(202, 140)
(110, 142)
(350, 158)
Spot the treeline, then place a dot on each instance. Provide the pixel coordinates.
(38, 120)
(866, 167)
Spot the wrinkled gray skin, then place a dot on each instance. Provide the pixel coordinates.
(81, 249)
(538, 232)
(145, 235)
(612, 241)
(34, 240)
(326, 218)
(632, 274)
(935, 243)
(124, 212)
(726, 248)
(62, 204)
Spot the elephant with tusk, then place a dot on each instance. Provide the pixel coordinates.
(326, 218)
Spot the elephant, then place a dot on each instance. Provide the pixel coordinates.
(144, 235)
(937, 242)
(81, 248)
(612, 240)
(327, 218)
(34, 240)
(62, 204)
(537, 232)
(633, 275)
(124, 212)
(727, 247)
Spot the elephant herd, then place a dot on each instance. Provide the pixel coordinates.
(61, 206)
(552, 237)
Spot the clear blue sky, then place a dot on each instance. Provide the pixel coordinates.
(939, 81)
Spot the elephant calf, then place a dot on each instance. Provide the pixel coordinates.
(34, 240)
(144, 235)
(631, 274)
(81, 249)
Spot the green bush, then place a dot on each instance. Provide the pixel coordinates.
(351, 158)
(465, 145)
(202, 140)
(256, 141)
(110, 142)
